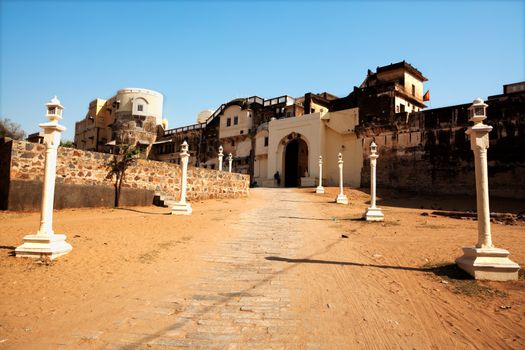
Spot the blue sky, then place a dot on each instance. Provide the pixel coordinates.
(201, 54)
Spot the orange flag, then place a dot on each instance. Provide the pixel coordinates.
(426, 96)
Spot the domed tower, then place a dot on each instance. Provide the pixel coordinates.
(138, 114)
(203, 116)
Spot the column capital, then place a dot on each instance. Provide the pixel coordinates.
(479, 136)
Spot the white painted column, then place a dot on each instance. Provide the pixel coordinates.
(320, 188)
(230, 159)
(183, 207)
(48, 193)
(184, 155)
(341, 198)
(482, 196)
(45, 242)
(373, 213)
(221, 155)
(484, 261)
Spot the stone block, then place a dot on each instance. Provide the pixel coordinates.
(374, 214)
(181, 209)
(38, 246)
(341, 199)
(488, 264)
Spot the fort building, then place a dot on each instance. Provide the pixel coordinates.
(421, 149)
(132, 116)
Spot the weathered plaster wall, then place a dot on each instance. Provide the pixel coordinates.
(81, 179)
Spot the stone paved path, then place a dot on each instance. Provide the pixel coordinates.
(243, 302)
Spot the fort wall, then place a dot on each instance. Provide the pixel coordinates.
(430, 153)
(82, 179)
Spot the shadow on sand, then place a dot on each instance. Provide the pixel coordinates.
(451, 271)
(142, 212)
(320, 219)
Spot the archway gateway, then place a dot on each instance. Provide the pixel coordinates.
(295, 162)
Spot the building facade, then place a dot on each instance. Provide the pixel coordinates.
(420, 149)
(133, 116)
(286, 135)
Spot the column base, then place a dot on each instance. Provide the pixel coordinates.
(38, 246)
(374, 214)
(181, 209)
(341, 199)
(488, 264)
(319, 189)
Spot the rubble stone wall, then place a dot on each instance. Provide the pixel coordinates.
(82, 179)
(426, 153)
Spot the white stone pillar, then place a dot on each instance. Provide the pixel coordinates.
(221, 155)
(182, 207)
(373, 213)
(320, 188)
(45, 242)
(341, 198)
(484, 261)
(230, 159)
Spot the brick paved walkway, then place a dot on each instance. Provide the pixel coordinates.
(243, 302)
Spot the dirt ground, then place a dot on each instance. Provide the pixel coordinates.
(389, 285)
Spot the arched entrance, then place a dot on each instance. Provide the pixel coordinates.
(295, 162)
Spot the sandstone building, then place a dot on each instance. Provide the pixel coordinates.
(132, 116)
(287, 135)
(421, 149)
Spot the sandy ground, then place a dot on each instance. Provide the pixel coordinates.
(385, 285)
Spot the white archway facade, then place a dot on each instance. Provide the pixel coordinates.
(309, 129)
(325, 135)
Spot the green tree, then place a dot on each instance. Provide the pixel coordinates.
(67, 143)
(118, 166)
(9, 128)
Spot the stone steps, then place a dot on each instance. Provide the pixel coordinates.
(162, 200)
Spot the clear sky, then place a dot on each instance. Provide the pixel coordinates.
(203, 53)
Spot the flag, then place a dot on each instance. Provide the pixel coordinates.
(426, 96)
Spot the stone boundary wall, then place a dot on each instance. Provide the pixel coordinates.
(81, 179)
(437, 159)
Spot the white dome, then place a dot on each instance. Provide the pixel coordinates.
(204, 115)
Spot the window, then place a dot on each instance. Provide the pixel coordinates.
(402, 108)
(242, 132)
(235, 120)
(229, 122)
(233, 143)
(140, 108)
(413, 90)
(266, 141)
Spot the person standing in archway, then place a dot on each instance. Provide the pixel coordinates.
(277, 178)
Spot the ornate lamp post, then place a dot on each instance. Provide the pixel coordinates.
(230, 158)
(45, 242)
(484, 261)
(373, 213)
(182, 207)
(221, 155)
(320, 188)
(341, 197)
